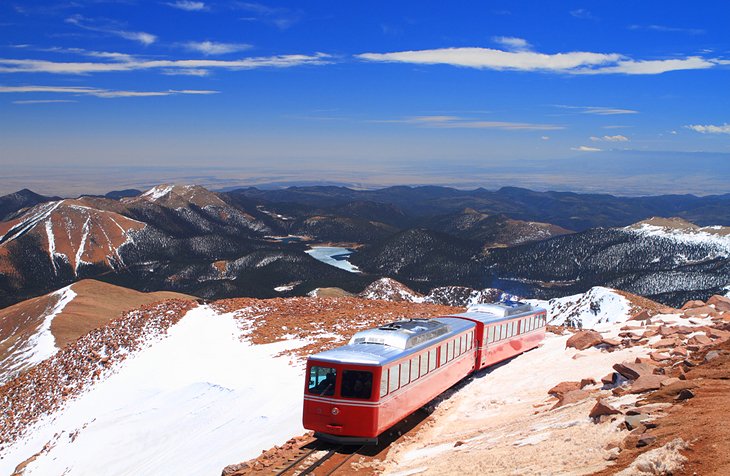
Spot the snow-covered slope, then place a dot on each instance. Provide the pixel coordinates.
(597, 306)
(187, 403)
(27, 341)
(390, 290)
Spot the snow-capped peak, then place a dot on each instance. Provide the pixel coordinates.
(159, 191)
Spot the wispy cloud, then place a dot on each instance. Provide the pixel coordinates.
(188, 5)
(521, 59)
(599, 110)
(583, 14)
(668, 29)
(513, 43)
(42, 101)
(710, 129)
(98, 92)
(282, 18)
(456, 122)
(585, 148)
(214, 48)
(616, 138)
(43, 66)
(111, 28)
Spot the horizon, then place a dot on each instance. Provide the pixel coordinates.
(627, 100)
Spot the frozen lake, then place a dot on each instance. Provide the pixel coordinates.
(333, 256)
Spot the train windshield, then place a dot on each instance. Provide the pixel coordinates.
(357, 384)
(322, 380)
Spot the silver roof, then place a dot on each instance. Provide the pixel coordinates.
(384, 344)
(488, 313)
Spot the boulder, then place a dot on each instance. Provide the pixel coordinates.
(632, 370)
(573, 396)
(634, 421)
(701, 311)
(666, 331)
(659, 356)
(667, 342)
(602, 407)
(679, 351)
(611, 342)
(610, 379)
(642, 316)
(692, 304)
(645, 440)
(699, 340)
(582, 340)
(587, 381)
(670, 381)
(564, 387)
(721, 303)
(685, 394)
(646, 383)
(712, 355)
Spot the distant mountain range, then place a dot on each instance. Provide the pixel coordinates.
(251, 242)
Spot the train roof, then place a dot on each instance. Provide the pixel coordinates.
(392, 341)
(500, 311)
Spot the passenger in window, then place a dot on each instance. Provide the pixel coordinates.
(326, 386)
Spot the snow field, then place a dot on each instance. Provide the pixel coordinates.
(190, 404)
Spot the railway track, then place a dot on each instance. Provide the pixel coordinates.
(318, 459)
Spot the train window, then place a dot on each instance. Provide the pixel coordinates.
(415, 367)
(393, 379)
(424, 364)
(431, 359)
(490, 333)
(384, 383)
(511, 327)
(469, 340)
(357, 384)
(405, 373)
(462, 344)
(450, 351)
(442, 356)
(322, 380)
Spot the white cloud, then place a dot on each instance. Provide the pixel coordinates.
(519, 58)
(42, 101)
(582, 13)
(186, 72)
(98, 92)
(213, 48)
(616, 138)
(584, 148)
(545, 137)
(112, 29)
(668, 29)
(43, 66)
(710, 129)
(600, 110)
(512, 43)
(455, 122)
(188, 5)
(282, 18)
(654, 66)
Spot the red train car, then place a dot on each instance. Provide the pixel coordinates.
(356, 392)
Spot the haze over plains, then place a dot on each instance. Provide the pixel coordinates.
(625, 99)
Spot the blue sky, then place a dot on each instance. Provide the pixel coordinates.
(623, 97)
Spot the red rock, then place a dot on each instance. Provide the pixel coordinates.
(699, 340)
(659, 356)
(611, 342)
(692, 304)
(679, 351)
(573, 396)
(610, 379)
(601, 408)
(646, 383)
(587, 381)
(670, 381)
(668, 342)
(721, 303)
(649, 333)
(582, 340)
(718, 334)
(667, 331)
(701, 311)
(644, 315)
(632, 370)
(564, 387)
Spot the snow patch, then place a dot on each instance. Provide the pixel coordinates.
(155, 193)
(42, 344)
(700, 236)
(597, 306)
(188, 404)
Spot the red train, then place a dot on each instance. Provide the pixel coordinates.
(355, 392)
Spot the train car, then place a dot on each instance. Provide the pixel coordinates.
(505, 329)
(356, 392)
